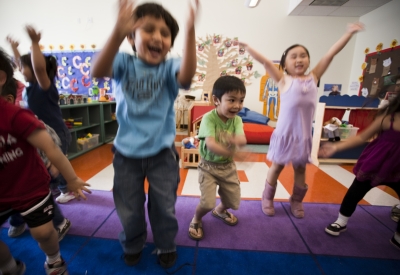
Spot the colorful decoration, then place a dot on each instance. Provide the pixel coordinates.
(51, 47)
(394, 43)
(93, 46)
(363, 66)
(361, 78)
(61, 47)
(82, 46)
(41, 47)
(73, 73)
(72, 47)
(366, 51)
(218, 56)
(379, 47)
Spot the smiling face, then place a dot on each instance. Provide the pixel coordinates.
(297, 61)
(152, 40)
(229, 105)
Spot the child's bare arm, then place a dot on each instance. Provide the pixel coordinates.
(14, 46)
(189, 60)
(218, 148)
(43, 141)
(269, 66)
(323, 64)
(38, 60)
(125, 25)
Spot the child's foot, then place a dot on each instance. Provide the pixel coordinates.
(58, 268)
(196, 231)
(226, 217)
(334, 229)
(395, 213)
(15, 231)
(65, 197)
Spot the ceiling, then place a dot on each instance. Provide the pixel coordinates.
(351, 8)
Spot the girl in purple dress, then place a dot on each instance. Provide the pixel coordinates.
(379, 163)
(292, 139)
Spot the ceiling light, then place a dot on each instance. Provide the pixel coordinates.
(251, 3)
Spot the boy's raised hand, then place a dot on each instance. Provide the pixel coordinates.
(77, 186)
(13, 43)
(33, 34)
(126, 23)
(193, 13)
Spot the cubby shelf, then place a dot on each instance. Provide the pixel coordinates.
(96, 119)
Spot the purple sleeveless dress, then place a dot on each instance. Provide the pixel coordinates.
(380, 160)
(291, 141)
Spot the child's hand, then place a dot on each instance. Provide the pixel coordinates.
(33, 34)
(76, 186)
(193, 13)
(327, 150)
(126, 23)
(355, 27)
(13, 43)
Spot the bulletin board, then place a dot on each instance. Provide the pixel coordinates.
(381, 72)
(73, 73)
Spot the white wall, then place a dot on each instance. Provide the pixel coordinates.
(382, 26)
(268, 28)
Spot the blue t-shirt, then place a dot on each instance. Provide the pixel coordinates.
(44, 104)
(145, 96)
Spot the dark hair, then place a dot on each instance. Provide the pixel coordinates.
(9, 88)
(157, 11)
(51, 65)
(5, 65)
(283, 58)
(226, 84)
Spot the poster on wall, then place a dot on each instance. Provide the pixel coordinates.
(332, 89)
(73, 74)
(269, 95)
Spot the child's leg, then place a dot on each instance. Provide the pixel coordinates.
(267, 199)
(8, 265)
(299, 191)
(129, 199)
(47, 238)
(354, 194)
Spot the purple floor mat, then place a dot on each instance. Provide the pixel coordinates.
(381, 213)
(365, 237)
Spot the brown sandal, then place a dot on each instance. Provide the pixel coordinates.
(196, 226)
(224, 216)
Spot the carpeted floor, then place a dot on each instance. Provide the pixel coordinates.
(256, 245)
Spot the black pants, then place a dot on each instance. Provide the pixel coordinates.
(357, 191)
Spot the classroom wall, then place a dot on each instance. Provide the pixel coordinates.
(382, 26)
(267, 28)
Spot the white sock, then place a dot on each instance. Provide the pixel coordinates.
(9, 267)
(342, 220)
(53, 258)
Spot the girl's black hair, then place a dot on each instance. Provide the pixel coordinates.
(51, 65)
(283, 58)
(157, 11)
(226, 84)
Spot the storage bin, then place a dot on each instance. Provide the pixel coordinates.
(87, 143)
(344, 132)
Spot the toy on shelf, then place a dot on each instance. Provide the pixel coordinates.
(87, 142)
(73, 122)
(331, 129)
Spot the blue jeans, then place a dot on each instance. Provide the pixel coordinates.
(65, 137)
(162, 173)
(17, 220)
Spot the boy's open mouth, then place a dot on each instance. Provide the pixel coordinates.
(154, 51)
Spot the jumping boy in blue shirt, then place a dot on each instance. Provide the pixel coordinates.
(146, 86)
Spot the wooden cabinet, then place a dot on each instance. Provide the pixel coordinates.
(96, 118)
(362, 112)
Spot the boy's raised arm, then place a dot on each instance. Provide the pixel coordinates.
(125, 25)
(189, 60)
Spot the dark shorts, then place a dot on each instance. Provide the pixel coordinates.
(40, 213)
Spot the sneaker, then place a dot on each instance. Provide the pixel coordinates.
(65, 197)
(58, 268)
(15, 231)
(62, 231)
(132, 259)
(395, 213)
(334, 229)
(395, 243)
(20, 269)
(166, 260)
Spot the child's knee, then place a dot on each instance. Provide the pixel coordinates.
(43, 233)
(207, 205)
